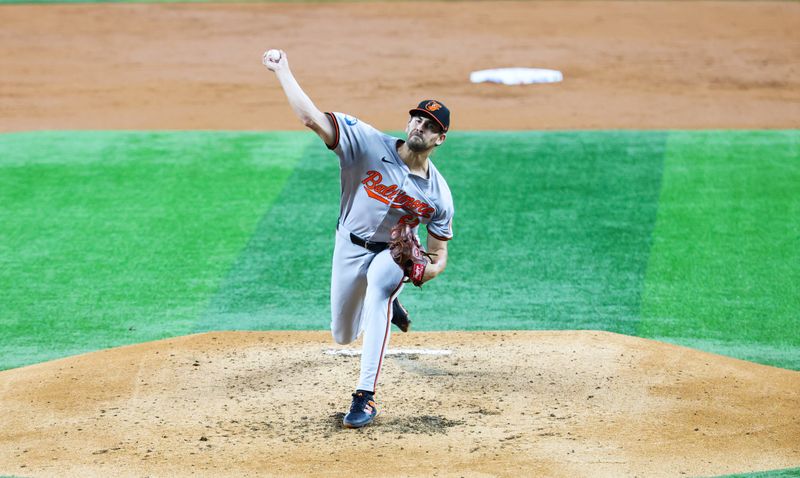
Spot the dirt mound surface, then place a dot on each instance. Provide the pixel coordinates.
(271, 403)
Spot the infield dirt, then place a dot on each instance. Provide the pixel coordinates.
(508, 404)
(501, 404)
(641, 65)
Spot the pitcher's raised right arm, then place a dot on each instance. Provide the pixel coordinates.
(301, 104)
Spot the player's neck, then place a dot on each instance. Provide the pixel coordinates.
(417, 162)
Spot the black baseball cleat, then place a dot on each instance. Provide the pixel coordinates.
(362, 411)
(400, 316)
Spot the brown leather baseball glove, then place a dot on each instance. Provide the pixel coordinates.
(408, 253)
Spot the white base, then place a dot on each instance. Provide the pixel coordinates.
(516, 76)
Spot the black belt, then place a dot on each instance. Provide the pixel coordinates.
(375, 247)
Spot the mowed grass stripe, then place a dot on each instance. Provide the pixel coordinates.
(785, 473)
(552, 231)
(113, 238)
(117, 238)
(281, 280)
(724, 270)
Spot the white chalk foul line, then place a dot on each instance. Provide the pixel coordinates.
(352, 352)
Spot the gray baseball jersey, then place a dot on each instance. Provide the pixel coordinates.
(378, 190)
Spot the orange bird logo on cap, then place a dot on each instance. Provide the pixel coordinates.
(433, 106)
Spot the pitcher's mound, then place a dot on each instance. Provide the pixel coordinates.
(509, 404)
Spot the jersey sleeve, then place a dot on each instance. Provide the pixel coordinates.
(441, 226)
(350, 138)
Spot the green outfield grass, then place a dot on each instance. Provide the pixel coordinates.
(726, 247)
(786, 473)
(112, 238)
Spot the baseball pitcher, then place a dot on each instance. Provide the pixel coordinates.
(388, 187)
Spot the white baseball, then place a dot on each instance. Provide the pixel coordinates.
(274, 56)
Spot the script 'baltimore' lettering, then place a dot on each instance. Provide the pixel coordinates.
(393, 196)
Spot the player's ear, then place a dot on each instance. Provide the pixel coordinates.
(441, 139)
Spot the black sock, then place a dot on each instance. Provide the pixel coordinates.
(366, 392)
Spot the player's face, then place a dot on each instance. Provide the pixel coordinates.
(423, 134)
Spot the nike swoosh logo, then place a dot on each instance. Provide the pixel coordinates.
(386, 160)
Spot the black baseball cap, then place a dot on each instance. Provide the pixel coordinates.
(436, 110)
